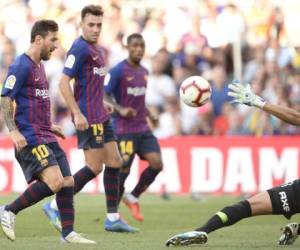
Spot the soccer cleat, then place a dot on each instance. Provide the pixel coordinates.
(134, 208)
(184, 239)
(2, 209)
(289, 234)
(8, 220)
(119, 226)
(74, 237)
(53, 215)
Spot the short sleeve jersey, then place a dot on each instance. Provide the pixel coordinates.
(86, 64)
(127, 85)
(26, 83)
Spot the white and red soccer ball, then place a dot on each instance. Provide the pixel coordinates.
(195, 91)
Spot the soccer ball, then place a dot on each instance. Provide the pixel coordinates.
(195, 91)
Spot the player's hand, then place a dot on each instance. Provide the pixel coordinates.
(127, 112)
(57, 131)
(244, 95)
(18, 139)
(80, 121)
(109, 107)
(153, 118)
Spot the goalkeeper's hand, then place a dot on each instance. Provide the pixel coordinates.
(243, 94)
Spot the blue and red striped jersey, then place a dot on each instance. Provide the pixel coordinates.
(86, 64)
(26, 83)
(127, 85)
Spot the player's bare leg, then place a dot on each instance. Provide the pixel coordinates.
(148, 176)
(258, 204)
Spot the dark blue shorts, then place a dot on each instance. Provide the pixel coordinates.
(96, 135)
(137, 143)
(34, 159)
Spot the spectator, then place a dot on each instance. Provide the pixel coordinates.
(161, 87)
(185, 38)
(219, 83)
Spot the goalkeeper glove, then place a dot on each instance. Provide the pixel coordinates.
(243, 94)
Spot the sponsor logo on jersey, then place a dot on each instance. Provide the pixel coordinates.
(136, 91)
(44, 93)
(100, 71)
(10, 82)
(284, 201)
(70, 61)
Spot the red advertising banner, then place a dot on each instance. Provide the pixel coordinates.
(191, 164)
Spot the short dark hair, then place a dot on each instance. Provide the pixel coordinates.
(132, 36)
(95, 10)
(42, 28)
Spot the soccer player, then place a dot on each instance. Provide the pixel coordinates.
(125, 89)
(85, 64)
(281, 200)
(36, 148)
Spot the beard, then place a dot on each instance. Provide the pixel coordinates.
(45, 55)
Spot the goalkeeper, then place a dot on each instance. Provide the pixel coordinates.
(280, 200)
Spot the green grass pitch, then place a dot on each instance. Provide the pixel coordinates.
(162, 220)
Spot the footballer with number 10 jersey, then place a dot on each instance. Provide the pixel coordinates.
(27, 85)
(32, 133)
(85, 64)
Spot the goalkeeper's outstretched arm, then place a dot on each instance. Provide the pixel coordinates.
(285, 114)
(244, 95)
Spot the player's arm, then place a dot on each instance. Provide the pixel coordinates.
(286, 114)
(244, 95)
(111, 87)
(126, 112)
(67, 93)
(75, 61)
(153, 117)
(110, 108)
(8, 113)
(57, 131)
(7, 108)
(17, 76)
(111, 101)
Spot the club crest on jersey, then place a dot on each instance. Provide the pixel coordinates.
(100, 71)
(129, 78)
(10, 82)
(70, 61)
(44, 93)
(99, 139)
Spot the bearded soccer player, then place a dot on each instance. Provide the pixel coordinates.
(280, 200)
(36, 148)
(85, 63)
(125, 89)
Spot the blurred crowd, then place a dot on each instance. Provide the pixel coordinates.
(256, 41)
